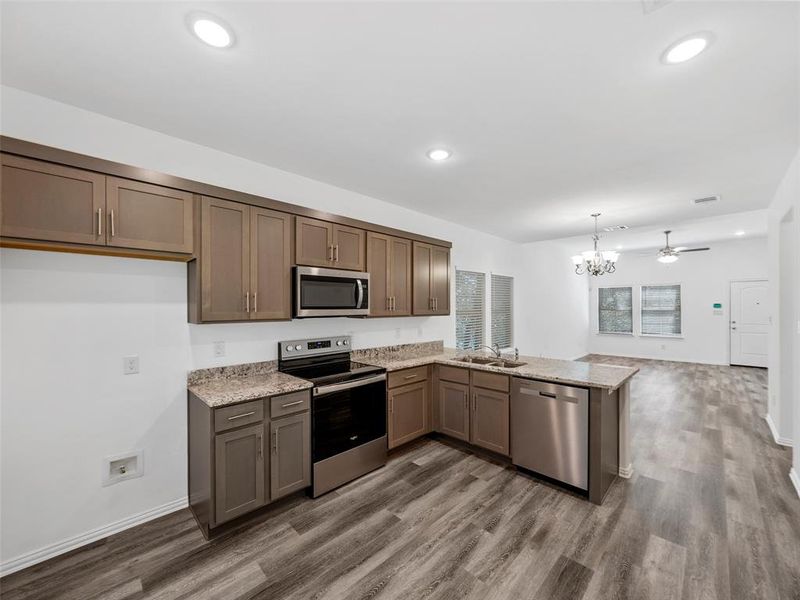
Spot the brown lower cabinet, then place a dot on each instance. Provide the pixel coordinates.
(474, 406)
(409, 405)
(244, 456)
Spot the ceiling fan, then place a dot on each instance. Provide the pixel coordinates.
(668, 254)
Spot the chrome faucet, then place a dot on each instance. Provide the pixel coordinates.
(495, 348)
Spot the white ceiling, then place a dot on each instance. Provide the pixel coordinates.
(553, 110)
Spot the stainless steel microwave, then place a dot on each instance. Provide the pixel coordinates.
(330, 293)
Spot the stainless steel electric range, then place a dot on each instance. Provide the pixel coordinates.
(348, 409)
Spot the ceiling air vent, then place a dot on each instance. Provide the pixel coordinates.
(706, 200)
(616, 228)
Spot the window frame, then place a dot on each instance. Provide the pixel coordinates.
(633, 312)
(511, 307)
(671, 336)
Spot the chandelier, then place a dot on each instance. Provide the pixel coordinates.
(594, 261)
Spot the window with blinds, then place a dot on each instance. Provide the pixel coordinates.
(615, 310)
(470, 309)
(503, 310)
(661, 310)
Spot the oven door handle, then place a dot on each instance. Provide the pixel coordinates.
(360, 293)
(338, 387)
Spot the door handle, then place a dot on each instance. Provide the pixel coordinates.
(247, 414)
(275, 442)
(260, 446)
(247, 302)
(99, 221)
(255, 302)
(330, 253)
(288, 404)
(474, 402)
(360, 293)
(113, 229)
(336, 253)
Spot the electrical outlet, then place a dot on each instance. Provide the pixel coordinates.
(130, 364)
(122, 466)
(219, 349)
(663, 346)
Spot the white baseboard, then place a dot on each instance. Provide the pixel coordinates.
(795, 480)
(42, 554)
(626, 472)
(781, 441)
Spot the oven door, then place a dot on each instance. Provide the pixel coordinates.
(347, 415)
(330, 293)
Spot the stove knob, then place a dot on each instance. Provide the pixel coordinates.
(345, 342)
(298, 347)
(289, 348)
(339, 343)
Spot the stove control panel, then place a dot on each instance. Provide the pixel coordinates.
(313, 347)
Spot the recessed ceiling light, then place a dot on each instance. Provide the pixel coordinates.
(740, 233)
(439, 154)
(211, 31)
(686, 48)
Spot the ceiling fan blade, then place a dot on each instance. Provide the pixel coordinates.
(694, 250)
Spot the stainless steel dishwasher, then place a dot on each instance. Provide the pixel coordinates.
(550, 430)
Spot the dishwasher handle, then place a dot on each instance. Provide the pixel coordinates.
(534, 392)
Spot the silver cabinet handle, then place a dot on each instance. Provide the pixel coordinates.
(260, 446)
(113, 229)
(247, 302)
(410, 376)
(99, 221)
(275, 442)
(391, 405)
(330, 253)
(247, 414)
(336, 253)
(255, 302)
(474, 402)
(288, 404)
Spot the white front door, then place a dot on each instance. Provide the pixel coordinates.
(749, 323)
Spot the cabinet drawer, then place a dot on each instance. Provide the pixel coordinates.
(491, 381)
(456, 374)
(407, 376)
(238, 415)
(289, 404)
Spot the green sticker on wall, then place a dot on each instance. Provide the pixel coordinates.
(717, 305)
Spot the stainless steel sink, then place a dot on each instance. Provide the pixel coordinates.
(492, 362)
(477, 360)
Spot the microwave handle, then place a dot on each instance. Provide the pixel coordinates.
(360, 293)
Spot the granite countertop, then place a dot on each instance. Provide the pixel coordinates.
(239, 383)
(547, 369)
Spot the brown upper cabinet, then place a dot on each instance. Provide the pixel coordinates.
(324, 244)
(431, 279)
(53, 203)
(389, 267)
(243, 271)
(148, 217)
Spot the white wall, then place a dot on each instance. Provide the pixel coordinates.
(68, 319)
(705, 279)
(784, 269)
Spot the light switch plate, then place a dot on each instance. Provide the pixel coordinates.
(130, 364)
(219, 349)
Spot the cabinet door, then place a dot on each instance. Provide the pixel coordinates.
(225, 260)
(490, 420)
(270, 264)
(440, 280)
(378, 249)
(400, 276)
(348, 248)
(423, 301)
(409, 410)
(454, 409)
(291, 454)
(148, 217)
(42, 201)
(239, 472)
(314, 242)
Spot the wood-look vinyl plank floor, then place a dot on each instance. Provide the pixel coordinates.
(709, 514)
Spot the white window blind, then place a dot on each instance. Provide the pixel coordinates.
(615, 310)
(661, 310)
(503, 310)
(470, 309)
